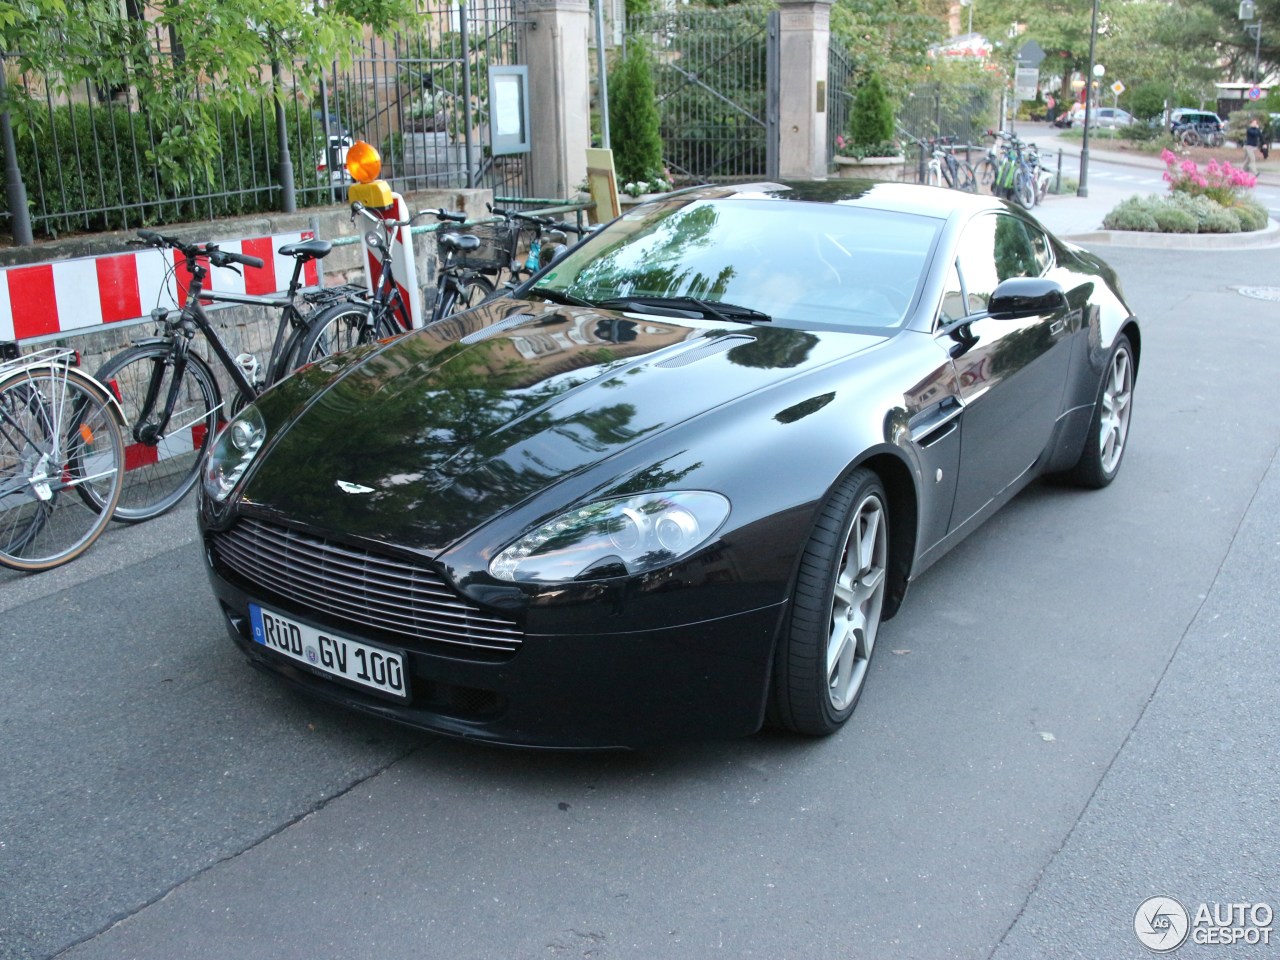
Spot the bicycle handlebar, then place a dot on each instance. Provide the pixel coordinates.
(209, 251)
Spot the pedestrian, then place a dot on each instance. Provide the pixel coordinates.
(1252, 143)
(1267, 134)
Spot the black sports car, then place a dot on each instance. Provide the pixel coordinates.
(673, 485)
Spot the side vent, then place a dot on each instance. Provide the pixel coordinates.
(706, 350)
(484, 333)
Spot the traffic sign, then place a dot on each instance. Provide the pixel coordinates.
(1255, 92)
(1117, 88)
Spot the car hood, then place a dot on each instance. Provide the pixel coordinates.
(453, 425)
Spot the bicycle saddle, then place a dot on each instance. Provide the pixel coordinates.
(307, 249)
(462, 242)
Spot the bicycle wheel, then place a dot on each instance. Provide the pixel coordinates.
(58, 439)
(986, 175)
(1025, 191)
(161, 468)
(475, 290)
(1189, 138)
(341, 327)
(966, 178)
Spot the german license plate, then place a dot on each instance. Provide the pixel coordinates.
(374, 667)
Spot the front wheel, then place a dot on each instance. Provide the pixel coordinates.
(966, 178)
(1109, 428)
(341, 327)
(830, 634)
(61, 466)
(161, 465)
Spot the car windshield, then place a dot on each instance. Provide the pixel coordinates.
(795, 264)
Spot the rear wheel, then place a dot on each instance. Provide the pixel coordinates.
(161, 467)
(985, 173)
(1109, 429)
(1025, 191)
(830, 634)
(341, 327)
(966, 178)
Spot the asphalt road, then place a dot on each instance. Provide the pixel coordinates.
(1074, 711)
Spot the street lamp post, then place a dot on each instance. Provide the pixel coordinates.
(1248, 11)
(1083, 189)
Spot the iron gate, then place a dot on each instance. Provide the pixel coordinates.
(716, 82)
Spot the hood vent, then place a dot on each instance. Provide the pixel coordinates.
(706, 350)
(484, 333)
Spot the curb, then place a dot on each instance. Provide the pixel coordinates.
(1268, 236)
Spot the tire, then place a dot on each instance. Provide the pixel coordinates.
(160, 471)
(58, 439)
(475, 290)
(985, 173)
(341, 327)
(829, 636)
(1109, 427)
(1042, 188)
(1025, 191)
(966, 178)
(1189, 138)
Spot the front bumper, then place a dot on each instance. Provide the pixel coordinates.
(704, 680)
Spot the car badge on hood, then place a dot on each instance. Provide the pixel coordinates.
(346, 487)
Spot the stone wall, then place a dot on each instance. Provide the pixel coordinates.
(245, 329)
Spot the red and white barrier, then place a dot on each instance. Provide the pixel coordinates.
(69, 296)
(402, 263)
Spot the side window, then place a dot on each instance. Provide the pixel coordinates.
(1043, 252)
(952, 299)
(995, 247)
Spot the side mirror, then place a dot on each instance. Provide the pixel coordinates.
(1021, 297)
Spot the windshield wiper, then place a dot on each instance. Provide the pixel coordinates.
(716, 309)
(559, 296)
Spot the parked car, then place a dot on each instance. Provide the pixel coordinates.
(1100, 117)
(1113, 117)
(1184, 117)
(677, 479)
(333, 160)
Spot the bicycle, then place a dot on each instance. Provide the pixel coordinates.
(366, 317)
(1015, 179)
(1206, 134)
(62, 460)
(539, 255)
(945, 169)
(170, 398)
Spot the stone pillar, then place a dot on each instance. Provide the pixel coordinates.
(559, 95)
(805, 29)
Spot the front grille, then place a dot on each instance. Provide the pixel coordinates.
(367, 589)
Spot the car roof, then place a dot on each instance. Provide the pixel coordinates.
(910, 198)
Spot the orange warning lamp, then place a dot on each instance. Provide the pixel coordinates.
(364, 163)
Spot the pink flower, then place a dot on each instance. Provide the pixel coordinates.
(1188, 167)
(1168, 156)
(1199, 181)
(839, 141)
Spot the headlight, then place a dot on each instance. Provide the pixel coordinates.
(610, 538)
(232, 452)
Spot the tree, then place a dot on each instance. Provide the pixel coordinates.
(633, 117)
(216, 54)
(871, 121)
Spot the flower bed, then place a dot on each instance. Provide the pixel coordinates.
(1212, 200)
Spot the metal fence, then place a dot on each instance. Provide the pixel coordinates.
(94, 159)
(714, 87)
(936, 110)
(839, 93)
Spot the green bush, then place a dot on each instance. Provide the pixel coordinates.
(871, 120)
(1184, 213)
(633, 117)
(1141, 132)
(1252, 214)
(1170, 219)
(1132, 214)
(78, 160)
